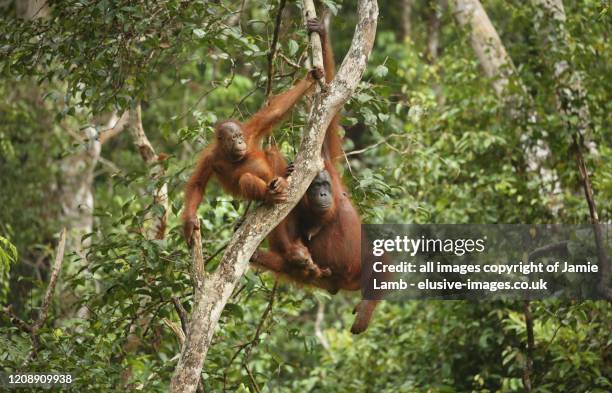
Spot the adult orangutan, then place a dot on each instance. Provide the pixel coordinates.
(324, 223)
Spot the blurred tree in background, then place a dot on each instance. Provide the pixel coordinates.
(429, 139)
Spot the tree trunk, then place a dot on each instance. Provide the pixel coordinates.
(571, 93)
(436, 9)
(497, 65)
(485, 41)
(32, 9)
(76, 195)
(405, 29)
(213, 291)
(76, 190)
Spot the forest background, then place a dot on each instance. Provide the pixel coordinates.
(498, 117)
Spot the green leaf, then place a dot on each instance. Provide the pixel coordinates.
(292, 47)
(381, 71)
(199, 33)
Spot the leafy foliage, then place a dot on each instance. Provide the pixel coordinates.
(427, 141)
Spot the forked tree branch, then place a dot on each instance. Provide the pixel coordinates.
(115, 126)
(211, 297)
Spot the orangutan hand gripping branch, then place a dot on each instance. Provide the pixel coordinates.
(236, 159)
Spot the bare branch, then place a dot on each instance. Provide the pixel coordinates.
(178, 332)
(319, 326)
(218, 287)
(182, 313)
(289, 61)
(528, 367)
(262, 320)
(272, 52)
(158, 228)
(114, 127)
(108, 163)
(57, 265)
(140, 138)
(44, 308)
(558, 248)
(602, 256)
(198, 266)
(255, 340)
(376, 144)
(315, 40)
(20, 323)
(252, 378)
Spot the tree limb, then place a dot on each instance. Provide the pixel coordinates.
(485, 41)
(14, 318)
(248, 346)
(57, 265)
(158, 229)
(318, 327)
(182, 313)
(178, 332)
(315, 40)
(528, 367)
(210, 299)
(115, 126)
(140, 138)
(272, 52)
(44, 308)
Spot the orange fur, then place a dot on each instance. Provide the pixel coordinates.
(333, 238)
(249, 177)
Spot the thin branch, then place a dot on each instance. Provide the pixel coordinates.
(198, 266)
(252, 378)
(375, 145)
(44, 309)
(571, 103)
(255, 340)
(158, 229)
(20, 323)
(114, 127)
(262, 320)
(272, 52)
(289, 61)
(315, 40)
(178, 332)
(231, 361)
(57, 265)
(318, 325)
(182, 313)
(528, 367)
(560, 247)
(602, 255)
(111, 165)
(219, 250)
(552, 338)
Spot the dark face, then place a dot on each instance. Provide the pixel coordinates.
(320, 195)
(229, 136)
